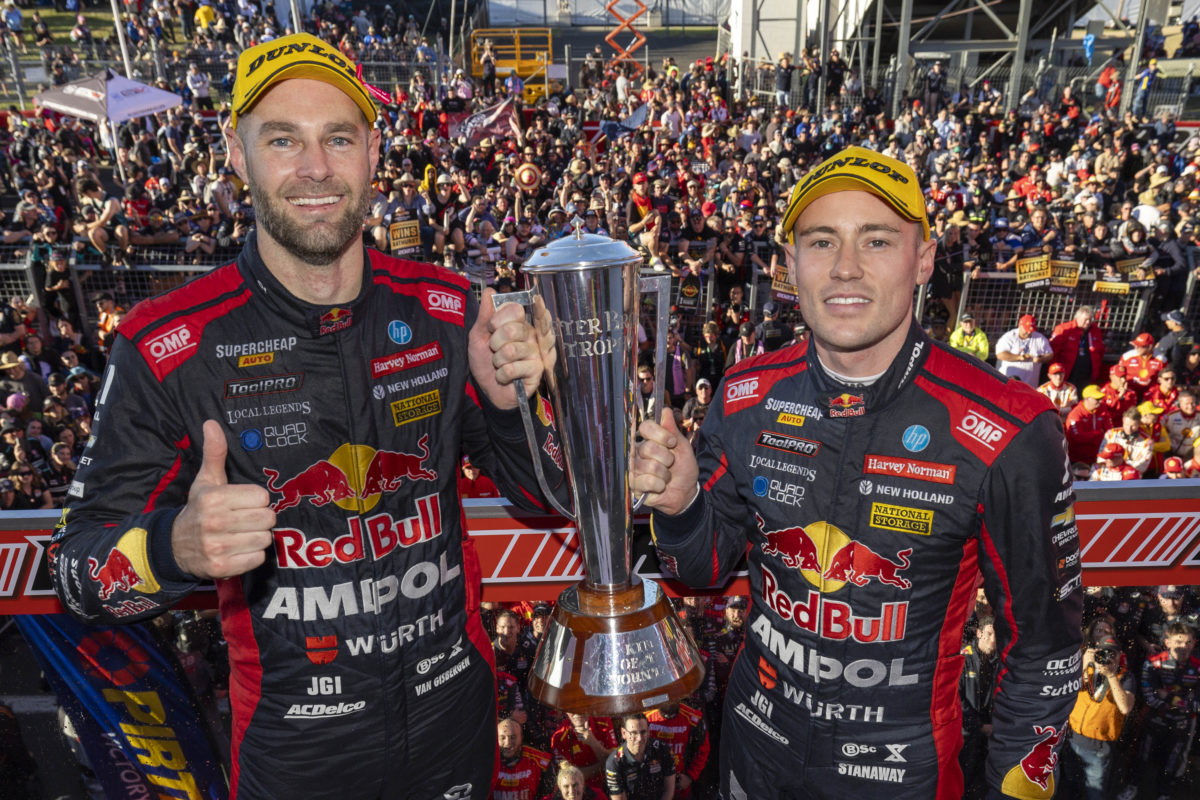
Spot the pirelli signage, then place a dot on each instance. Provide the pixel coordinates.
(411, 409)
(903, 519)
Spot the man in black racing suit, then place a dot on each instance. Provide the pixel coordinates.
(326, 475)
(874, 472)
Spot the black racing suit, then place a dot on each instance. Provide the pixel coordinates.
(869, 511)
(356, 650)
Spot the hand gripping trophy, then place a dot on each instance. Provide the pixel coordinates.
(614, 645)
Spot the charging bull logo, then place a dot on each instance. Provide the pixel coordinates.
(126, 568)
(829, 559)
(353, 478)
(1037, 767)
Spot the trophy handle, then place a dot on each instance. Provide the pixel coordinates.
(661, 286)
(525, 299)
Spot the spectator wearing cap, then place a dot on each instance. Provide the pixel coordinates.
(1062, 394)
(747, 345)
(1173, 469)
(1079, 346)
(1118, 395)
(1181, 424)
(697, 245)
(1141, 365)
(1110, 465)
(1143, 84)
(1137, 447)
(696, 407)
(18, 380)
(1150, 424)
(1172, 606)
(970, 339)
(474, 484)
(1173, 347)
(773, 333)
(1189, 373)
(1086, 425)
(1021, 351)
(12, 325)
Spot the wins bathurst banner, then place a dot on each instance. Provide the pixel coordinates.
(134, 716)
(1132, 533)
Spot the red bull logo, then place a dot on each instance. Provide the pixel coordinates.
(847, 405)
(1037, 767)
(334, 320)
(793, 546)
(545, 412)
(829, 559)
(833, 619)
(383, 534)
(353, 478)
(125, 568)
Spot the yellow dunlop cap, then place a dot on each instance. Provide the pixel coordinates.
(860, 169)
(300, 55)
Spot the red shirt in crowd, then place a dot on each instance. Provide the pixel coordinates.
(1085, 429)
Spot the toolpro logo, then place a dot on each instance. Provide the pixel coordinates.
(263, 384)
(353, 478)
(847, 405)
(788, 444)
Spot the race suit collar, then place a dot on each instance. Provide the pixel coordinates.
(843, 400)
(317, 320)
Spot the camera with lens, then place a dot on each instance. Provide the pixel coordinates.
(1105, 656)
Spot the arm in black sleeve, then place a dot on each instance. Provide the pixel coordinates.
(110, 557)
(704, 542)
(1029, 556)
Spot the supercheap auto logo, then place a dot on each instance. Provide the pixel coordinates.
(353, 478)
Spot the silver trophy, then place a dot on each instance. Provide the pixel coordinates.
(614, 645)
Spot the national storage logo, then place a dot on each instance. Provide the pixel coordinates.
(411, 409)
(902, 518)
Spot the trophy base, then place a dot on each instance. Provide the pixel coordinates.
(613, 653)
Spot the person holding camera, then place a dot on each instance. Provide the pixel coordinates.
(1106, 695)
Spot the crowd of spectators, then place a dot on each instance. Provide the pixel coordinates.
(695, 177)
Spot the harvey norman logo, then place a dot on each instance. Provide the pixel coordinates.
(397, 362)
(909, 468)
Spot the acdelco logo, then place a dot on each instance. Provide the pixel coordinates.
(983, 430)
(172, 343)
(745, 389)
(444, 301)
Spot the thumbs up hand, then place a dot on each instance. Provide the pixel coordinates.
(225, 528)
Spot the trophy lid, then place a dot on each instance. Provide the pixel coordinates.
(580, 250)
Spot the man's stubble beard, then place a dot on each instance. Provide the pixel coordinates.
(310, 244)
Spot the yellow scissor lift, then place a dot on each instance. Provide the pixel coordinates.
(527, 50)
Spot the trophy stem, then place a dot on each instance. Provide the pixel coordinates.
(599, 601)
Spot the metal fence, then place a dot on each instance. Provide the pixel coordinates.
(757, 80)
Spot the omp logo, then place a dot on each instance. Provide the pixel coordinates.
(258, 360)
(174, 342)
(982, 429)
(444, 301)
(744, 389)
